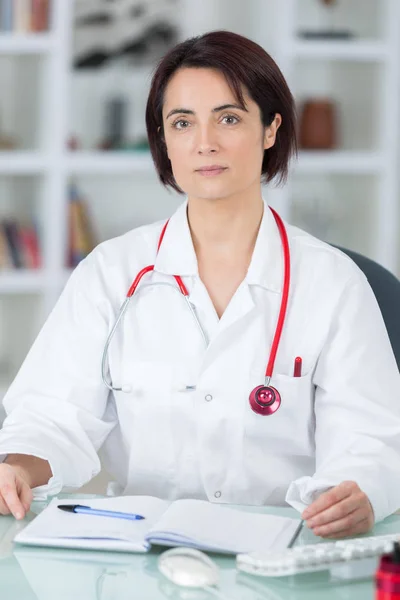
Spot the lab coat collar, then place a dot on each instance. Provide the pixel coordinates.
(177, 255)
(267, 267)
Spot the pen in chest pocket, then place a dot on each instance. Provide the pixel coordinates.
(298, 363)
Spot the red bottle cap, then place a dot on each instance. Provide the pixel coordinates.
(387, 578)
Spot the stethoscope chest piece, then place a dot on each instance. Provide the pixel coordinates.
(265, 400)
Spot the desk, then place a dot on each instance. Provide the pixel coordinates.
(28, 573)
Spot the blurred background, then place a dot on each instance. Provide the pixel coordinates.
(74, 161)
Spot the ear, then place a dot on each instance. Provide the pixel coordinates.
(271, 130)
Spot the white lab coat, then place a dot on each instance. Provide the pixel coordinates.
(339, 421)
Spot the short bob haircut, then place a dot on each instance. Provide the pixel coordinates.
(243, 63)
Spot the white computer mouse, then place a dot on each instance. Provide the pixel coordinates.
(188, 567)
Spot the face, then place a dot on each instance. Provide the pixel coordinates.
(215, 147)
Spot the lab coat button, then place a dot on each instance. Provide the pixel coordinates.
(208, 398)
(217, 494)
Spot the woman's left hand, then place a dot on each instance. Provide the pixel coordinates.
(341, 511)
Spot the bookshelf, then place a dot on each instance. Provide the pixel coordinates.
(23, 163)
(363, 171)
(363, 74)
(26, 43)
(339, 162)
(357, 51)
(109, 162)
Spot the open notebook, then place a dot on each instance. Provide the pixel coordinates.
(195, 523)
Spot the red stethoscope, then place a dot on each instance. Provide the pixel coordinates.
(264, 399)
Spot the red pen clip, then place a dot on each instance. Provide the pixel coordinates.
(298, 363)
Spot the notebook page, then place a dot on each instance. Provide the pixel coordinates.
(54, 527)
(221, 528)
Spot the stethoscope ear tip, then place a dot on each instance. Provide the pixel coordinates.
(126, 389)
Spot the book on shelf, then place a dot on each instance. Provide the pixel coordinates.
(81, 236)
(24, 16)
(19, 245)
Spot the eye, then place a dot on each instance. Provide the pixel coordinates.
(180, 124)
(231, 118)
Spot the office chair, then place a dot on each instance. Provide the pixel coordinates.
(386, 288)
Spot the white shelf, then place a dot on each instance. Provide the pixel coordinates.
(338, 161)
(20, 162)
(22, 281)
(34, 43)
(109, 162)
(351, 50)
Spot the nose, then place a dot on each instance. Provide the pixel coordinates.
(207, 140)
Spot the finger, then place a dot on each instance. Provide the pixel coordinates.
(347, 523)
(363, 526)
(338, 510)
(10, 497)
(327, 499)
(26, 496)
(4, 510)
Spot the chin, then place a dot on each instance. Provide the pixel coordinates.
(209, 192)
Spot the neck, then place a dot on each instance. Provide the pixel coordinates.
(225, 227)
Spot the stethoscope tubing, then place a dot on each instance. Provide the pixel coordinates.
(121, 314)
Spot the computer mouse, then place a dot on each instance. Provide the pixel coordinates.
(188, 567)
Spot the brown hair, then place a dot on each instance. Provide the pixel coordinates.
(243, 63)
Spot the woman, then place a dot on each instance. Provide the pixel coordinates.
(181, 406)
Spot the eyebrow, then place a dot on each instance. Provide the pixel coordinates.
(186, 111)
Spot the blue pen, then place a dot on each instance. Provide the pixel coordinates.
(87, 510)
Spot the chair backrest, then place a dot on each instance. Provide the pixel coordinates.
(386, 288)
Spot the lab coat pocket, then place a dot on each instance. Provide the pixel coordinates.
(149, 381)
(148, 407)
(290, 430)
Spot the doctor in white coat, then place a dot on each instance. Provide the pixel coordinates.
(224, 394)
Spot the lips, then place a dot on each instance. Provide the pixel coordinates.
(211, 168)
(211, 171)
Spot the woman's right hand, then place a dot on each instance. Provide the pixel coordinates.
(15, 492)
